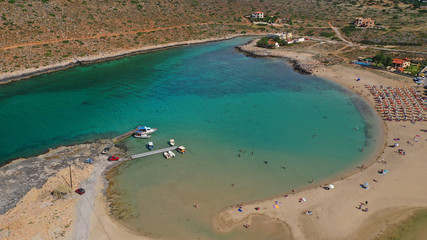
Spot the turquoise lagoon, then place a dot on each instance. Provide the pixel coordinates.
(212, 99)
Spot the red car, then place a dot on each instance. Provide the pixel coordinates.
(113, 158)
(80, 191)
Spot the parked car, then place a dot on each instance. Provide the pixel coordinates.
(113, 158)
(105, 151)
(80, 191)
(89, 160)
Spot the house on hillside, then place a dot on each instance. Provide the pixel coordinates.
(401, 64)
(282, 36)
(364, 22)
(258, 14)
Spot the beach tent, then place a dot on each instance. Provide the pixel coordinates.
(331, 186)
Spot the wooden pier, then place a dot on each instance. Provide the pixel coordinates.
(140, 155)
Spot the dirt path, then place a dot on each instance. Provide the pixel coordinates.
(85, 205)
(336, 30)
(339, 35)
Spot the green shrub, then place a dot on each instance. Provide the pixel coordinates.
(327, 34)
(263, 42)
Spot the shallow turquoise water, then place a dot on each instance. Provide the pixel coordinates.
(209, 98)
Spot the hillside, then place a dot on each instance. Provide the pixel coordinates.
(41, 33)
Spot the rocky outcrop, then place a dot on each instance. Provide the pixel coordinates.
(303, 65)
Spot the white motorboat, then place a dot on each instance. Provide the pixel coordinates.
(167, 155)
(142, 135)
(172, 142)
(171, 154)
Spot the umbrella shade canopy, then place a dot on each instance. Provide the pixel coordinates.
(331, 186)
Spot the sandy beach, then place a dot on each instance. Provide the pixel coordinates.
(335, 213)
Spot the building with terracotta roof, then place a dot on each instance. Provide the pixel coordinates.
(273, 43)
(400, 64)
(364, 22)
(258, 14)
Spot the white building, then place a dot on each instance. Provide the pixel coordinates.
(258, 15)
(282, 36)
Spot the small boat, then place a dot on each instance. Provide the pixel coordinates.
(171, 154)
(142, 135)
(150, 145)
(181, 149)
(172, 142)
(167, 155)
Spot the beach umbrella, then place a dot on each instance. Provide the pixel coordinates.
(331, 186)
(366, 184)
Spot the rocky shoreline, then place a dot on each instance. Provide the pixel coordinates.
(28, 73)
(20, 176)
(302, 65)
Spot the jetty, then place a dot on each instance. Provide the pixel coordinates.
(140, 155)
(123, 136)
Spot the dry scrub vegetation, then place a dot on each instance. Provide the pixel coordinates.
(44, 32)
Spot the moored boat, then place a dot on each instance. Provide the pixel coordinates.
(172, 142)
(167, 155)
(171, 154)
(142, 135)
(143, 132)
(181, 149)
(150, 145)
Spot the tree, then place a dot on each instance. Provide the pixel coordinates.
(388, 61)
(379, 58)
(263, 42)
